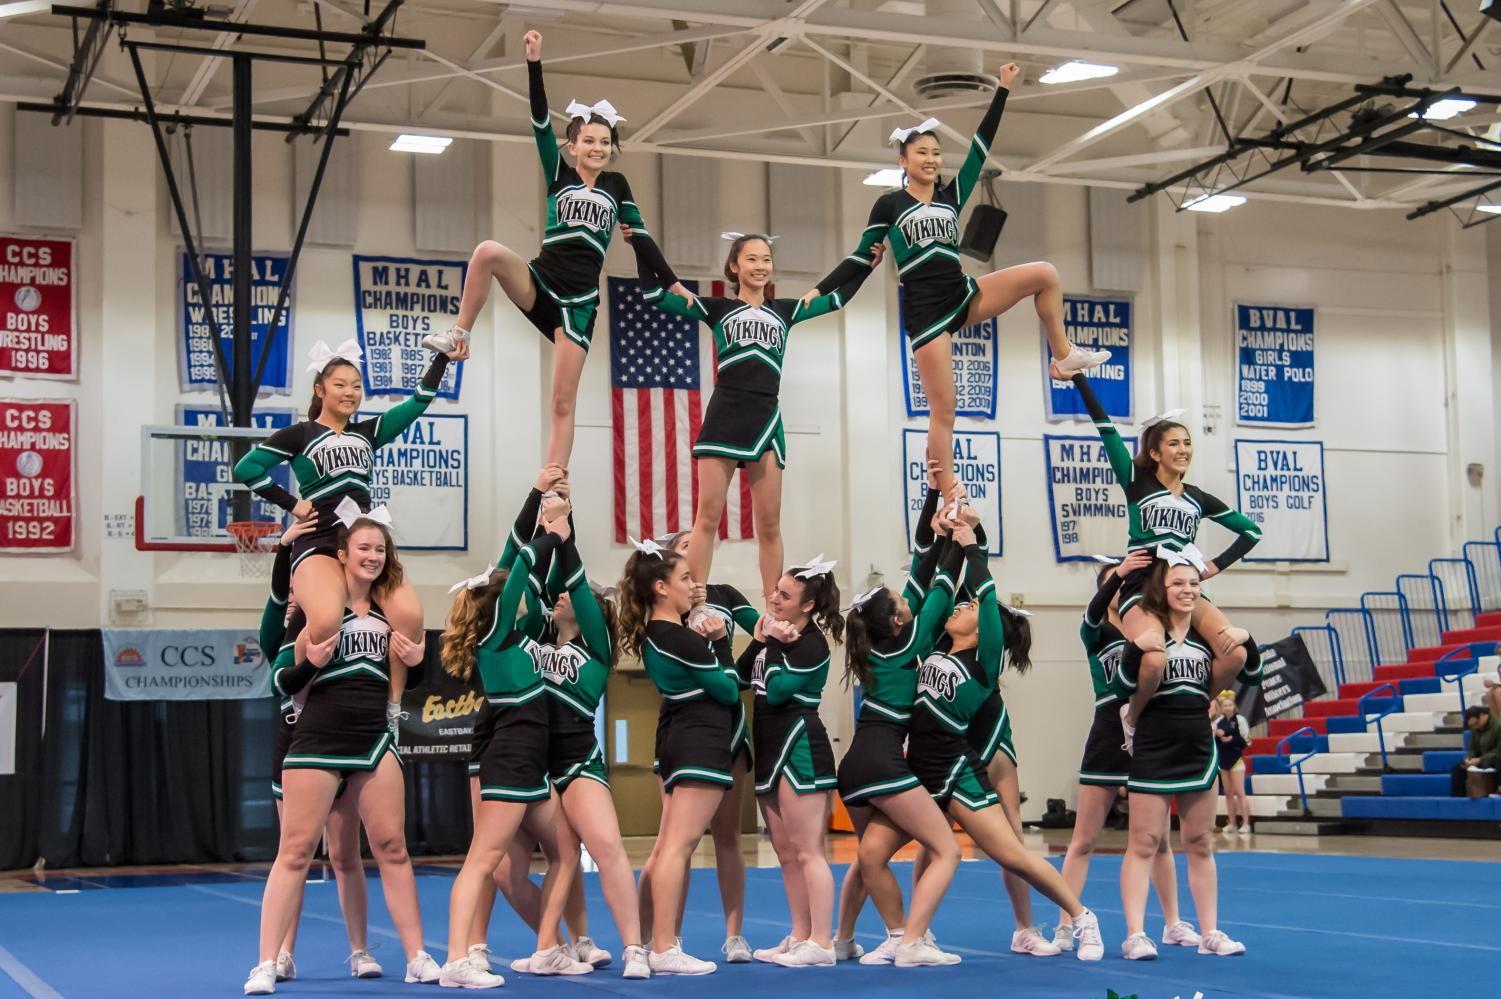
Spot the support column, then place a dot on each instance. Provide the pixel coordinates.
(1469, 388)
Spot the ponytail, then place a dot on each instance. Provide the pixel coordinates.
(864, 627)
(1016, 629)
(823, 593)
(473, 613)
(637, 595)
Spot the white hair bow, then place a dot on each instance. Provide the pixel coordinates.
(1016, 610)
(1190, 555)
(1106, 559)
(473, 582)
(817, 567)
(348, 511)
(732, 236)
(647, 547)
(1171, 416)
(601, 109)
(900, 135)
(863, 599)
(320, 355)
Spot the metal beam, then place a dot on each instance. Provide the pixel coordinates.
(1039, 13)
(1470, 41)
(998, 17)
(190, 23)
(869, 81)
(892, 82)
(206, 69)
(778, 96)
(1407, 35)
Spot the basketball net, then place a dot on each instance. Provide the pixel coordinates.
(250, 544)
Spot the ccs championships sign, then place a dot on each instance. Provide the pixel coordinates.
(183, 664)
(38, 313)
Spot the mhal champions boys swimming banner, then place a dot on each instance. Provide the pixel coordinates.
(1095, 324)
(1274, 366)
(1085, 498)
(397, 302)
(1281, 486)
(977, 463)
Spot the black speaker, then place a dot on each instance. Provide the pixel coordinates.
(983, 231)
(1491, 8)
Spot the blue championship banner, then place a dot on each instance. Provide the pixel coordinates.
(1097, 324)
(977, 463)
(197, 369)
(1274, 366)
(974, 371)
(205, 469)
(184, 664)
(423, 476)
(1086, 500)
(1280, 485)
(397, 302)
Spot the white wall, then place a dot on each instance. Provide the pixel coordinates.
(1406, 397)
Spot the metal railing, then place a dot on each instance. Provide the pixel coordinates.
(1421, 593)
(1485, 556)
(1296, 766)
(1391, 624)
(1357, 633)
(1328, 656)
(1459, 589)
(1395, 701)
(1463, 667)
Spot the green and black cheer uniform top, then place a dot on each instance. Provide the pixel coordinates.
(699, 686)
(330, 464)
(924, 240)
(790, 739)
(743, 420)
(1156, 515)
(580, 221)
(875, 763)
(951, 687)
(1105, 760)
(1174, 750)
(730, 605)
(342, 725)
(574, 675)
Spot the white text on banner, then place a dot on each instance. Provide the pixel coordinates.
(396, 303)
(1281, 486)
(38, 307)
(974, 372)
(38, 465)
(183, 664)
(1087, 504)
(977, 463)
(423, 476)
(1274, 366)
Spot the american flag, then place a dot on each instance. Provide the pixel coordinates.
(657, 411)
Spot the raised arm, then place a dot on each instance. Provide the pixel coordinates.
(992, 633)
(547, 140)
(938, 604)
(1247, 530)
(592, 627)
(920, 576)
(518, 582)
(979, 146)
(864, 255)
(393, 422)
(1110, 435)
(254, 470)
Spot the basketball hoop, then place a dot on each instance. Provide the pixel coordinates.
(249, 537)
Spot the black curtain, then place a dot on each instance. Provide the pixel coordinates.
(162, 782)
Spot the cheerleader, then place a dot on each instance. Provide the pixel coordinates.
(1174, 757)
(921, 221)
(693, 671)
(342, 734)
(742, 427)
(558, 291)
(788, 666)
(1106, 765)
(951, 686)
(1233, 735)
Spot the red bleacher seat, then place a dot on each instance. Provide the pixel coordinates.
(1407, 671)
(1489, 619)
(1287, 726)
(1326, 709)
(1463, 635)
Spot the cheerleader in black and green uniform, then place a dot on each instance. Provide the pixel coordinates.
(921, 222)
(342, 734)
(951, 686)
(1175, 757)
(558, 291)
(1106, 764)
(743, 424)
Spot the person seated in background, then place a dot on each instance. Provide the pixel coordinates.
(1475, 775)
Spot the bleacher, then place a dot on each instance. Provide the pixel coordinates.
(1375, 755)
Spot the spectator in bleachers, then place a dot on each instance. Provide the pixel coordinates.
(1233, 735)
(1475, 775)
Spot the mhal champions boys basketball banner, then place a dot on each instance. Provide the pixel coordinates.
(206, 470)
(184, 664)
(38, 308)
(977, 463)
(37, 504)
(1280, 485)
(1085, 498)
(1095, 324)
(1274, 366)
(198, 371)
(423, 476)
(397, 302)
(974, 371)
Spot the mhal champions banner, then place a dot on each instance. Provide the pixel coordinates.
(38, 308)
(1086, 500)
(1280, 485)
(197, 369)
(438, 716)
(1096, 324)
(183, 664)
(396, 303)
(37, 503)
(977, 463)
(1274, 365)
(974, 371)
(206, 470)
(423, 476)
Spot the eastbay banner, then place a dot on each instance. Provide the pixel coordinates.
(184, 664)
(439, 715)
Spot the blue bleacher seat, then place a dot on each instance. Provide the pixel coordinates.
(1441, 761)
(1373, 807)
(1415, 785)
(1421, 685)
(1345, 724)
(1271, 765)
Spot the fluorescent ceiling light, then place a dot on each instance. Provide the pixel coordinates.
(407, 143)
(1445, 109)
(1077, 70)
(1215, 203)
(20, 7)
(1489, 209)
(886, 177)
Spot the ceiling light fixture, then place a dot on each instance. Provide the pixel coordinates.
(1077, 71)
(409, 143)
(1445, 109)
(885, 177)
(1215, 203)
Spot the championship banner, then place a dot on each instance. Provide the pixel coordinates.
(977, 462)
(1086, 500)
(1280, 485)
(438, 715)
(198, 371)
(974, 371)
(397, 302)
(423, 476)
(1289, 678)
(1095, 324)
(1274, 366)
(39, 302)
(184, 664)
(37, 503)
(206, 470)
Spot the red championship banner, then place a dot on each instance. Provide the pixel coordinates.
(37, 503)
(38, 314)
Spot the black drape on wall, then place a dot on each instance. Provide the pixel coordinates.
(163, 782)
(23, 662)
